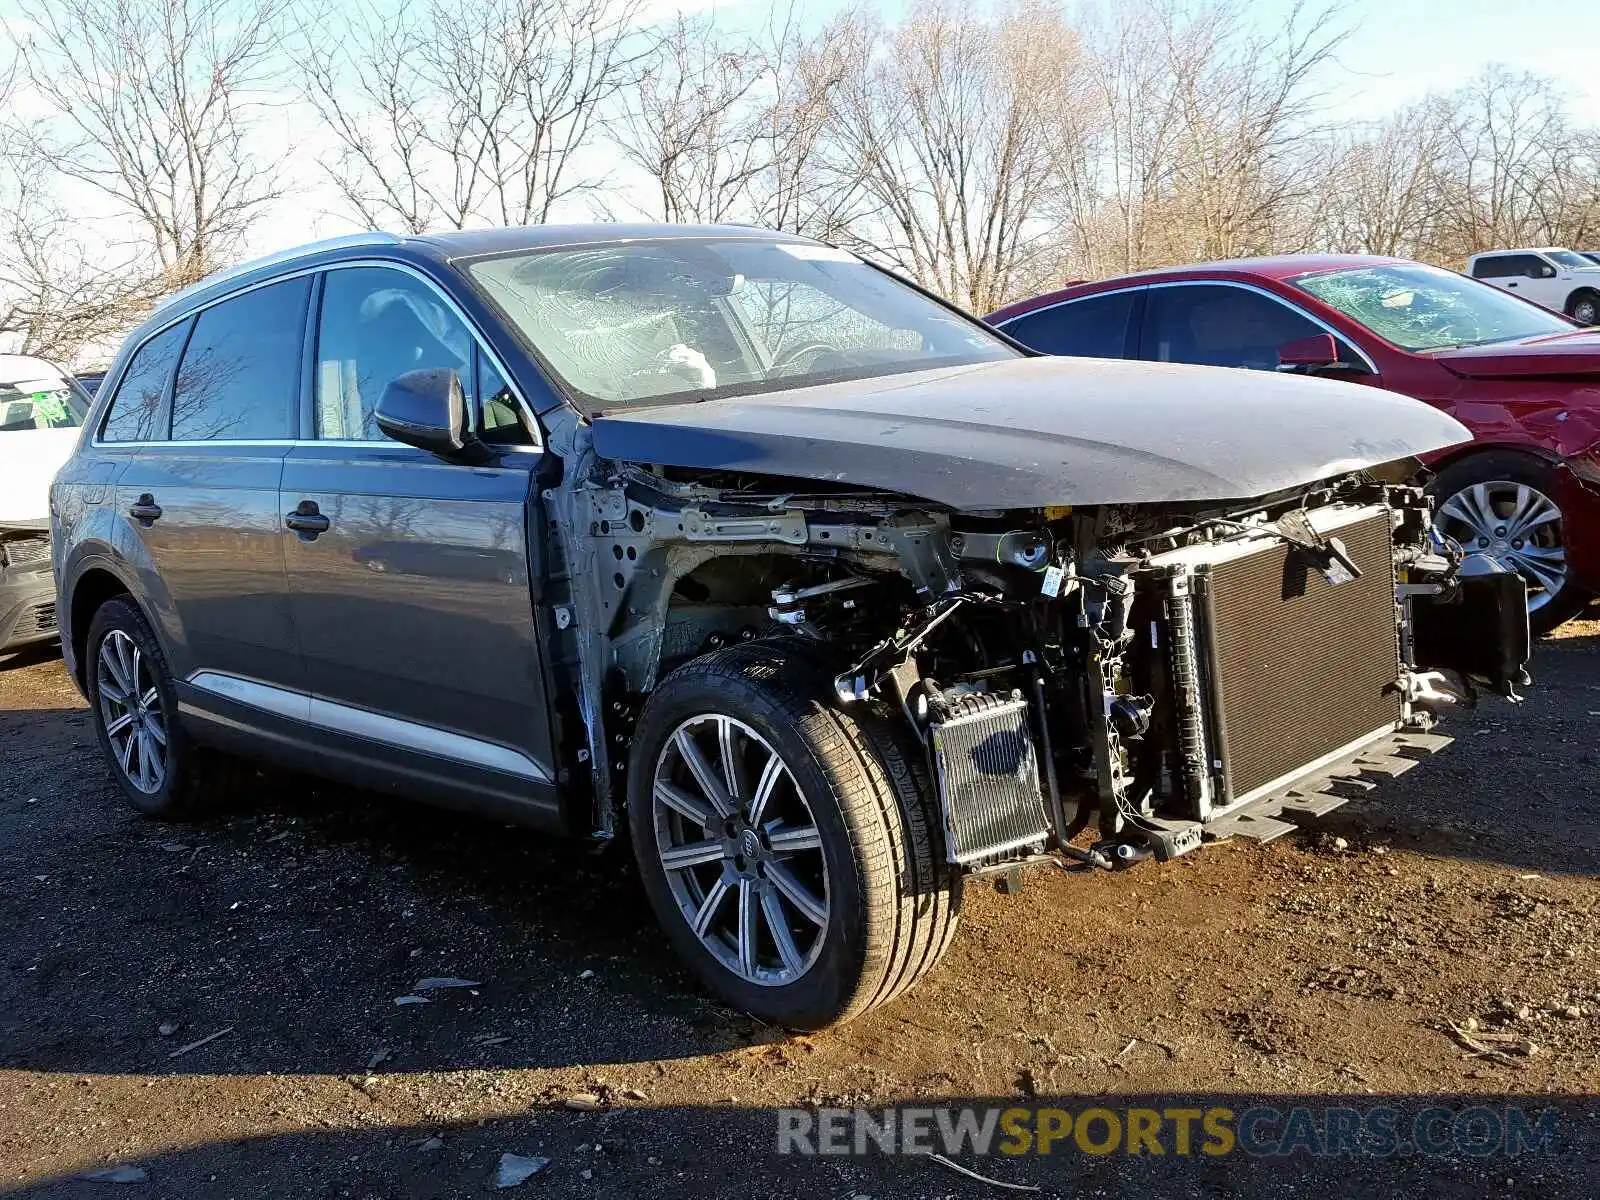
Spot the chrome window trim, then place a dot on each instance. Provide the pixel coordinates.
(306, 709)
(347, 443)
(344, 264)
(1233, 283)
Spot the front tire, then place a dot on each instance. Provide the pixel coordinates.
(1584, 307)
(788, 848)
(1502, 504)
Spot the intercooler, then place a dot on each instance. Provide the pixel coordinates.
(1273, 664)
(989, 793)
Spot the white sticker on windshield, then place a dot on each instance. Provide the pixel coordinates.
(811, 253)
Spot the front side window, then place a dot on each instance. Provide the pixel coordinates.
(135, 413)
(1423, 308)
(376, 325)
(631, 324)
(240, 374)
(39, 397)
(1094, 327)
(1217, 325)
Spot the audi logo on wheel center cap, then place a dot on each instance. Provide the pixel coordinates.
(749, 844)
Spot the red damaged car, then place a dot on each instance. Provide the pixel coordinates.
(1526, 381)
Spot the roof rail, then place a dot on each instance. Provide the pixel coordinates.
(348, 241)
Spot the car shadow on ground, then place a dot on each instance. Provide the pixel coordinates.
(718, 1151)
(28, 656)
(1520, 784)
(315, 911)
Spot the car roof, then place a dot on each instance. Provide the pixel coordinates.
(1521, 250)
(446, 246)
(1275, 267)
(28, 366)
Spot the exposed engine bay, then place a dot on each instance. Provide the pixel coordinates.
(1152, 675)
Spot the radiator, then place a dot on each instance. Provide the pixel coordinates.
(1292, 669)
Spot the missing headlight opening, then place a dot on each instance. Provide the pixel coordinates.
(1150, 677)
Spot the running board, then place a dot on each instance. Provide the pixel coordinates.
(1327, 788)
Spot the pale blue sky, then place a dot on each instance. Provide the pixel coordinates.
(1400, 49)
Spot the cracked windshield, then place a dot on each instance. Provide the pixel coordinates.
(630, 324)
(1423, 308)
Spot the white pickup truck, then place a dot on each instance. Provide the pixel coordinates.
(1559, 279)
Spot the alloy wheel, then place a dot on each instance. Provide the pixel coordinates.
(1516, 525)
(130, 708)
(741, 849)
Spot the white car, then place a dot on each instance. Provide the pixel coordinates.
(1560, 279)
(42, 409)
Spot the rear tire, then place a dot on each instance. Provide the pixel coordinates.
(1485, 521)
(878, 905)
(159, 769)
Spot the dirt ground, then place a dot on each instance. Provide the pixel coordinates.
(1321, 969)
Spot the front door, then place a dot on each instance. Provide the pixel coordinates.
(410, 576)
(198, 498)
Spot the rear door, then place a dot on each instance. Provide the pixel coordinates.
(203, 418)
(410, 577)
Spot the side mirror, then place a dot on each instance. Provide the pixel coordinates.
(1319, 352)
(1542, 271)
(428, 409)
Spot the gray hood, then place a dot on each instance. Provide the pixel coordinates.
(1031, 432)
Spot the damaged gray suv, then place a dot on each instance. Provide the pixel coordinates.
(827, 595)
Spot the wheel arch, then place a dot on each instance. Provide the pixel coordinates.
(1576, 293)
(1475, 449)
(93, 585)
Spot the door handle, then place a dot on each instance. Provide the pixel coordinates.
(145, 509)
(307, 519)
(1511, 285)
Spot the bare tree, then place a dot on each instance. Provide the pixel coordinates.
(1247, 106)
(947, 126)
(62, 296)
(463, 115)
(1515, 171)
(1115, 152)
(1378, 186)
(695, 125)
(154, 106)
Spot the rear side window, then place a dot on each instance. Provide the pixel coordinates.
(240, 375)
(1509, 266)
(1094, 327)
(376, 325)
(136, 408)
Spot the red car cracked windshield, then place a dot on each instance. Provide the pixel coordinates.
(1526, 381)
